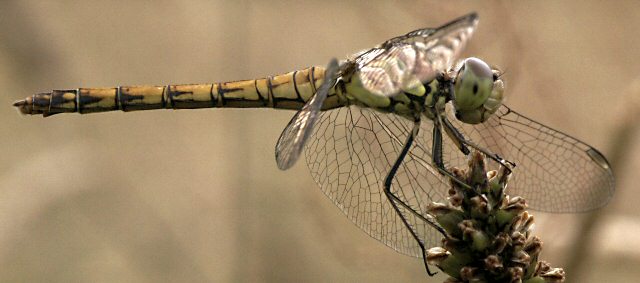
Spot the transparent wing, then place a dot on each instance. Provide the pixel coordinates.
(404, 62)
(554, 172)
(351, 151)
(293, 137)
(349, 155)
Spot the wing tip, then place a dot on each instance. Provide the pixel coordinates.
(597, 157)
(283, 162)
(471, 18)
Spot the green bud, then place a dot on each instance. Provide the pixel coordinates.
(449, 220)
(536, 279)
(504, 218)
(480, 241)
(452, 265)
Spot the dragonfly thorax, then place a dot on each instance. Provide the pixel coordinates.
(475, 90)
(408, 103)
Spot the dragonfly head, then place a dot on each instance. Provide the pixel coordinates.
(478, 91)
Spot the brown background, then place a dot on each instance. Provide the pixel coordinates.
(196, 196)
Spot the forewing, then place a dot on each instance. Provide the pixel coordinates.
(417, 57)
(554, 172)
(349, 155)
(293, 137)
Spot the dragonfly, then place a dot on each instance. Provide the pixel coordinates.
(381, 129)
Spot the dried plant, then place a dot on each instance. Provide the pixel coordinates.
(489, 233)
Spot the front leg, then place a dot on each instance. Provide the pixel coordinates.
(395, 200)
(437, 154)
(463, 143)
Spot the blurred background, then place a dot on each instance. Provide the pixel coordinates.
(195, 196)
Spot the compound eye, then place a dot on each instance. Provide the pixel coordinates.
(473, 84)
(479, 68)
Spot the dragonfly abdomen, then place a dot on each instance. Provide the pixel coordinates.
(286, 91)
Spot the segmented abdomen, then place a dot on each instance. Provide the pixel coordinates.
(287, 91)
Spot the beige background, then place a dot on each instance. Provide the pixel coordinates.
(188, 196)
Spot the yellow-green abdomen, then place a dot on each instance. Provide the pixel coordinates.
(287, 91)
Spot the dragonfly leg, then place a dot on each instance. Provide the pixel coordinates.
(463, 143)
(395, 200)
(437, 153)
(457, 137)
